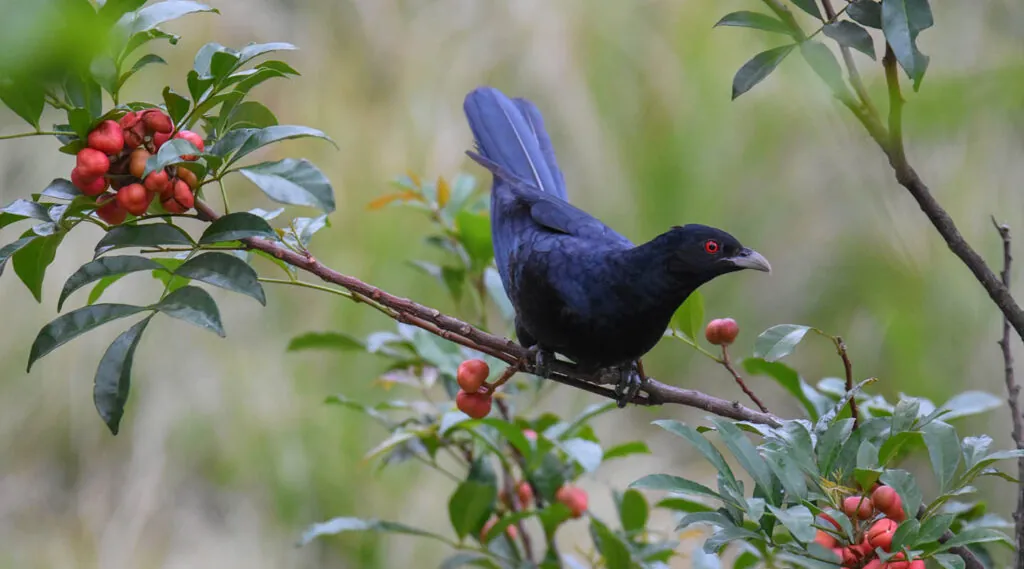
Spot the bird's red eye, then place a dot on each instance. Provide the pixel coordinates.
(711, 246)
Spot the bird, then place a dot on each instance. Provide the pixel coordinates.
(579, 288)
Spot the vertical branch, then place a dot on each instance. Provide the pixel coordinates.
(1012, 394)
(510, 488)
(727, 363)
(848, 369)
(892, 80)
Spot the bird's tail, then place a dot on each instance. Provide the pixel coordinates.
(511, 133)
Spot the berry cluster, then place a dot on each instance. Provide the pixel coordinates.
(881, 514)
(474, 396)
(116, 158)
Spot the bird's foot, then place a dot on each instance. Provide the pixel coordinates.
(540, 359)
(631, 379)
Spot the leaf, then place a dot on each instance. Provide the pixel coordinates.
(689, 319)
(475, 235)
(727, 535)
(470, 506)
(903, 483)
(291, 181)
(892, 445)
(933, 528)
(746, 560)
(102, 268)
(745, 453)
(672, 483)
(148, 59)
(756, 20)
(585, 453)
(61, 189)
(193, 305)
(339, 525)
(235, 227)
(949, 561)
(25, 98)
(170, 153)
(902, 21)
(612, 547)
(249, 114)
(104, 71)
(156, 14)
(702, 444)
(626, 449)
(32, 259)
(779, 341)
(325, 340)
(809, 6)
(225, 271)
(759, 67)
(824, 63)
(970, 403)
(798, 520)
(866, 12)
(65, 328)
(714, 518)
(787, 377)
(830, 443)
(27, 208)
(264, 136)
(944, 452)
(906, 534)
(974, 449)
(177, 106)
(254, 50)
(633, 511)
(113, 376)
(505, 521)
(151, 235)
(11, 248)
(788, 473)
(851, 35)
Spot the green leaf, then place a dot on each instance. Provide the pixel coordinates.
(779, 341)
(142, 38)
(340, 525)
(974, 449)
(689, 319)
(102, 268)
(31, 261)
(151, 235)
(866, 12)
(114, 9)
(830, 443)
(475, 235)
(787, 377)
(264, 136)
(672, 483)
(512, 433)
(171, 153)
(798, 520)
(11, 248)
(745, 454)
(612, 547)
(944, 452)
(237, 226)
(902, 21)
(291, 181)
(633, 511)
(892, 445)
(970, 403)
(104, 71)
(973, 536)
(933, 528)
(756, 20)
(586, 453)
(249, 114)
(65, 328)
(27, 208)
(225, 271)
(906, 534)
(903, 483)
(746, 560)
(325, 340)
(809, 6)
(148, 59)
(470, 506)
(716, 518)
(61, 189)
(626, 449)
(849, 34)
(682, 504)
(788, 472)
(702, 444)
(193, 305)
(177, 106)
(507, 520)
(114, 374)
(254, 50)
(949, 561)
(759, 67)
(727, 535)
(156, 14)
(25, 98)
(101, 286)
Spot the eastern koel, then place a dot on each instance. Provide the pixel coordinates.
(579, 288)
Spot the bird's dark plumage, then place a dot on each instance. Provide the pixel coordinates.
(579, 288)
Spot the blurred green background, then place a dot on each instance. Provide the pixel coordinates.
(227, 451)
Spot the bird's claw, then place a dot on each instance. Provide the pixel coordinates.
(630, 382)
(541, 360)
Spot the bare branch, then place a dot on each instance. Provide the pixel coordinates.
(462, 333)
(727, 363)
(848, 369)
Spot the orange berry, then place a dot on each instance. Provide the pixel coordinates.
(721, 331)
(476, 405)
(472, 374)
(134, 199)
(137, 162)
(189, 177)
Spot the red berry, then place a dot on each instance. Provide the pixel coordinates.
(530, 434)
(92, 163)
(510, 530)
(134, 199)
(825, 539)
(179, 200)
(157, 121)
(194, 139)
(525, 492)
(110, 211)
(858, 506)
(107, 138)
(830, 520)
(722, 331)
(90, 186)
(159, 139)
(873, 564)
(851, 555)
(189, 177)
(472, 374)
(888, 502)
(130, 119)
(880, 534)
(574, 498)
(476, 405)
(159, 182)
(917, 564)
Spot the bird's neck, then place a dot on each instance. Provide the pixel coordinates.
(661, 281)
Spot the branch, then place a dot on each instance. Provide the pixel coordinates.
(1012, 393)
(464, 334)
(727, 363)
(851, 66)
(848, 369)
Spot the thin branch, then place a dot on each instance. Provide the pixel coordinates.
(727, 364)
(512, 491)
(1012, 394)
(462, 333)
(851, 65)
(848, 369)
(28, 134)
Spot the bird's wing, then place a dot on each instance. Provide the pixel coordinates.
(536, 123)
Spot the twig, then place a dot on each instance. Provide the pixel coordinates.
(1012, 394)
(33, 133)
(851, 66)
(512, 491)
(727, 363)
(462, 333)
(848, 369)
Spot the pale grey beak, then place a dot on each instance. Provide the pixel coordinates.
(750, 259)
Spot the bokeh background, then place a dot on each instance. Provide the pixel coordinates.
(227, 451)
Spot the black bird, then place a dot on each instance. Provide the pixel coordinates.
(579, 288)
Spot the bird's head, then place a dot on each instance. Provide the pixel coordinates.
(702, 252)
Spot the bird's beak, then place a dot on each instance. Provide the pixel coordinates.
(750, 259)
